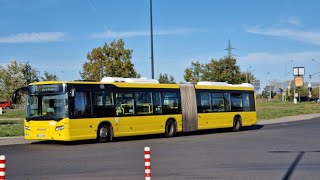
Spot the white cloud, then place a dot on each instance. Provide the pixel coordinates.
(36, 37)
(263, 57)
(128, 34)
(293, 21)
(299, 35)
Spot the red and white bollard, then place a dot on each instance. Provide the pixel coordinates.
(147, 163)
(2, 167)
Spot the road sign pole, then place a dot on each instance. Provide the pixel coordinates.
(294, 95)
(299, 95)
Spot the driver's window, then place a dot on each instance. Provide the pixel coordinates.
(82, 104)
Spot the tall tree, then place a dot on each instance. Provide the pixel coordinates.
(30, 74)
(222, 70)
(11, 78)
(194, 73)
(17, 75)
(49, 77)
(109, 60)
(166, 79)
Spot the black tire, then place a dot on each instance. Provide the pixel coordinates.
(237, 124)
(104, 133)
(170, 130)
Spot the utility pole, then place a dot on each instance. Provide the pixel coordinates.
(229, 49)
(151, 31)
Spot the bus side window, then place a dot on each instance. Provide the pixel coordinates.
(227, 102)
(170, 103)
(204, 102)
(103, 104)
(156, 98)
(252, 101)
(236, 102)
(217, 101)
(246, 102)
(143, 102)
(82, 104)
(124, 103)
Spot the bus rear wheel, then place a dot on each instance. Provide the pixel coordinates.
(170, 129)
(104, 133)
(236, 124)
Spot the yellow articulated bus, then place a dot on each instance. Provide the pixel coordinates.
(117, 107)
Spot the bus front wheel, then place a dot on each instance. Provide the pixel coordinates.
(104, 133)
(170, 129)
(236, 124)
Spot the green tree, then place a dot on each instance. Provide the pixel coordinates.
(223, 70)
(247, 76)
(315, 92)
(166, 79)
(49, 77)
(30, 74)
(194, 73)
(109, 60)
(266, 94)
(11, 78)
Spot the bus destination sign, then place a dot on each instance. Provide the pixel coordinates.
(52, 88)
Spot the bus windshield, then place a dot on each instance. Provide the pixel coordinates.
(47, 107)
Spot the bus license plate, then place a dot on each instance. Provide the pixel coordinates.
(41, 135)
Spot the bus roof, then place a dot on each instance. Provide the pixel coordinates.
(152, 83)
(223, 86)
(118, 84)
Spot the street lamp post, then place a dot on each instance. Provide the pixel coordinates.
(284, 82)
(247, 74)
(151, 32)
(269, 86)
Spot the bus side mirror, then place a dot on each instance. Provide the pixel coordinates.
(72, 92)
(24, 90)
(14, 98)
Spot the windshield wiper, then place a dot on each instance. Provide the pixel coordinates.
(44, 117)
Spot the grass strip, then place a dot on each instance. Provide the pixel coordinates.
(12, 113)
(9, 128)
(273, 110)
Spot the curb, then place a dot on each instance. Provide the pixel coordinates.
(302, 117)
(14, 137)
(13, 140)
(13, 119)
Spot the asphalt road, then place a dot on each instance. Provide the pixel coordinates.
(277, 151)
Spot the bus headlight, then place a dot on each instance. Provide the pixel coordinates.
(59, 128)
(27, 128)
